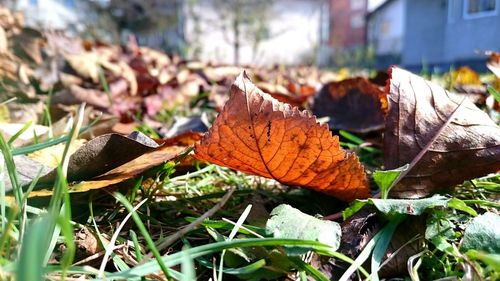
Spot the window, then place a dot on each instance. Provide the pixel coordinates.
(480, 8)
(357, 5)
(357, 21)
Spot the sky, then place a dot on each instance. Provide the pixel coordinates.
(372, 4)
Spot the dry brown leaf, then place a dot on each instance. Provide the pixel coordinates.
(464, 76)
(257, 134)
(3, 41)
(85, 64)
(52, 156)
(467, 148)
(494, 63)
(354, 104)
(123, 172)
(76, 94)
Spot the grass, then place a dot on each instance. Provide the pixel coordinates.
(207, 222)
(166, 202)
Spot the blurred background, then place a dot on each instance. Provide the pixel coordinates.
(435, 34)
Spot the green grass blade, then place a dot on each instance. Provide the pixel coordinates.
(137, 246)
(494, 93)
(123, 200)
(11, 169)
(31, 261)
(382, 244)
(232, 234)
(2, 197)
(20, 132)
(35, 147)
(8, 231)
(248, 269)
(111, 244)
(309, 269)
(351, 137)
(16, 186)
(187, 266)
(364, 255)
(176, 259)
(116, 259)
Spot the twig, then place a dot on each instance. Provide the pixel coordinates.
(333, 216)
(174, 237)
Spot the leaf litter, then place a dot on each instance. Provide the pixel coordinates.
(275, 152)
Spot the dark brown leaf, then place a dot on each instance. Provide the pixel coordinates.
(103, 154)
(469, 146)
(355, 105)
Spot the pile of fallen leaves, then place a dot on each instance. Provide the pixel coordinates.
(149, 120)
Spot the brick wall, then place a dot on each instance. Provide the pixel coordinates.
(347, 23)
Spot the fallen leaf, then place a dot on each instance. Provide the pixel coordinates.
(414, 207)
(26, 169)
(464, 76)
(10, 129)
(282, 94)
(468, 147)
(353, 104)
(122, 173)
(256, 134)
(380, 78)
(288, 222)
(3, 41)
(494, 63)
(85, 64)
(52, 156)
(184, 125)
(76, 95)
(188, 138)
(103, 154)
(482, 234)
(401, 249)
(27, 45)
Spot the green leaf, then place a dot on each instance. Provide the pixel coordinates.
(413, 207)
(385, 179)
(460, 205)
(492, 260)
(288, 222)
(442, 244)
(482, 234)
(440, 227)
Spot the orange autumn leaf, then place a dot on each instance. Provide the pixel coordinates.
(259, 135)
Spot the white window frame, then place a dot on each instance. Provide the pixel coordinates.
(479, 14)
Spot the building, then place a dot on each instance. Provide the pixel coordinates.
(434, 33)
(346, 34)
(347, 23)
(81, 18)
(51, 14)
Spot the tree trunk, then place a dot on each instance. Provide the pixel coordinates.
(236, 42)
